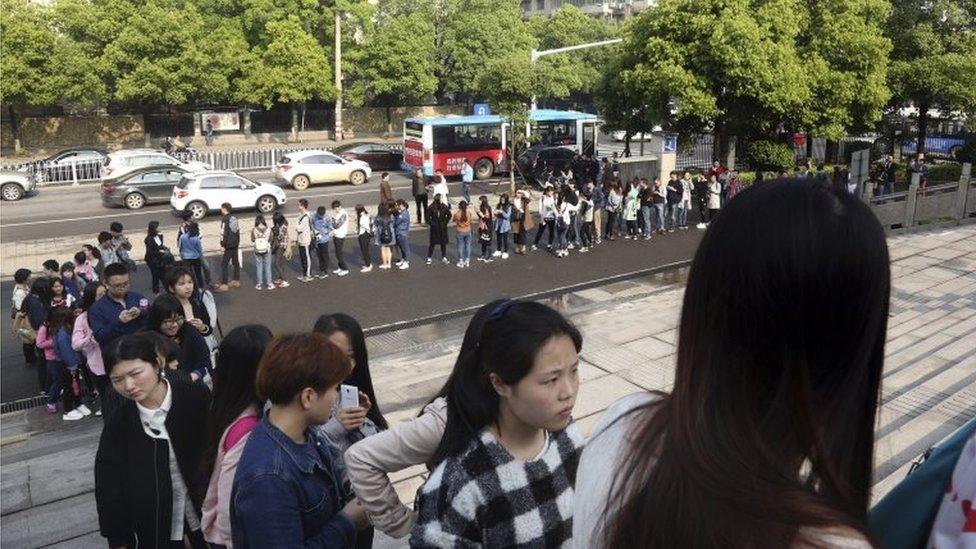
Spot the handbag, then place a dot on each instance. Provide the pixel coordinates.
(25, 331)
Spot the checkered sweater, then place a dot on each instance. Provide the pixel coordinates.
(486, 498)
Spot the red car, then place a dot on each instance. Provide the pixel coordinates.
(379, 156)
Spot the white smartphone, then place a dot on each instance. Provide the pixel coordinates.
(348, 396)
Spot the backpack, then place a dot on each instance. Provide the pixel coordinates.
(584, 207)
(386, 235)
(261, 243)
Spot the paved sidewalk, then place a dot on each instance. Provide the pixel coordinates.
(629, 331)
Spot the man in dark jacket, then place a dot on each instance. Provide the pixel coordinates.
(419, 188)
(230, 241)
(674, 192)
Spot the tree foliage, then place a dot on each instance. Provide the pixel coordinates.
(933, 63)
(754, 68)
(562, 74)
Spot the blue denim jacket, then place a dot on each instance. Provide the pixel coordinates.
(322, 227)
(401, 223)
(288, 494)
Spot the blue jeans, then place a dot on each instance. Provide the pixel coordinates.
(464, 246)
(577, 225)
(466, 191)
(682, 216)
(659, 216)
(262, 263)
(561, 237)
(56, 381)
(645, 212)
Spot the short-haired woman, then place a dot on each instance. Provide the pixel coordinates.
(288, 489)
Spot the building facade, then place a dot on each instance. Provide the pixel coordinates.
(608, 9)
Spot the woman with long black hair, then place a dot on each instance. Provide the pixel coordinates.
(371, 461)
(350, 425)
(766, 439)
(234, 412)
(147, 482)
(505, 466)
(155, 254)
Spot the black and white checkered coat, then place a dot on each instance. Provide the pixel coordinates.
(486, 498)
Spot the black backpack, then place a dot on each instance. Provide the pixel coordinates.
(386, 235)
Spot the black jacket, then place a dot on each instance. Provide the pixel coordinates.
(133, 491)
(438, 216)
(194, 353)
(418, 185)
(230, 232)
(153, 255)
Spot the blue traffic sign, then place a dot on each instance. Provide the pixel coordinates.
(481, 109)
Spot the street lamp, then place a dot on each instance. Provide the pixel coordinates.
(537, 54)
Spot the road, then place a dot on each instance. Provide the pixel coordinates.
(382, 298)
(67, 211)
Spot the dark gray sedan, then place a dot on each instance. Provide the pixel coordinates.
(147, 185)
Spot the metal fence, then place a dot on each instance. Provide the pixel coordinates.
(53, 173)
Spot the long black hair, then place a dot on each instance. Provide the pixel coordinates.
(88, 296)
(509, 339)
(233, 384)
(165, 307)
(360, 377)
(769, 429)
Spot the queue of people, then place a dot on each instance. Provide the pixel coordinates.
(281, 440)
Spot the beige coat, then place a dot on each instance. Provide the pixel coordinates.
(370, 461)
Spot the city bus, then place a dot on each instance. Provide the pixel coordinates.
(443, 143)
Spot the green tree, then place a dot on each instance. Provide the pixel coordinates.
(398, 65)
(507, 83)
(166, 56)
(41, 66)
(560, 75)
(754, 69)
(292, 68)
(933, 63)
(473, 34)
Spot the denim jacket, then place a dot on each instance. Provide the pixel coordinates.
(288, 494)
(322, 227)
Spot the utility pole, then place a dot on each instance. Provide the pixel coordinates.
(537, 54)
(338, 78)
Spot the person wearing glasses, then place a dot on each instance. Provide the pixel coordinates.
(120, 311)
(166, 316)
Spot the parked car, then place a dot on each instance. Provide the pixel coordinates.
(380, 156)
(75, 164)
(15, 185)
(535, 160)
(202, 192)
(301, 169)
(149, 185)
(122, 162)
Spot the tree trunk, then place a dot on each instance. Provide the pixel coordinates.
(15, 127)
(511, 162)
(923, 122)
(627, 144)
(389, 121)
(294, 122)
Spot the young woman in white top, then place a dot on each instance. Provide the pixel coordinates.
(685, 205)
(766, 438)
(714, 197)
(547, 215)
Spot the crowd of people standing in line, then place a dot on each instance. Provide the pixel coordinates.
(281, 441)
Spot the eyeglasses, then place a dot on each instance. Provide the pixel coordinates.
(119, 286)
(176, 321)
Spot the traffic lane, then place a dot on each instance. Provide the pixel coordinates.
(383, 297)
(90, 217)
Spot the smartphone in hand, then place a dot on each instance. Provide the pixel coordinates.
(348, 397)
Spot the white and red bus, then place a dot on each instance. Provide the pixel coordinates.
(442, 143)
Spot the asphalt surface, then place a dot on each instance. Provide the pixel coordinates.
(381, 298)
(67, 211)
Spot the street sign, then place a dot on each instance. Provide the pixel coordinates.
(670, 144)
(481, 109)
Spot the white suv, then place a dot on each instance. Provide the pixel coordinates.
(301, 169)
(202, 192)
(125, 161)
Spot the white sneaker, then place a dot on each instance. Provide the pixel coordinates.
(398, 263)
(496, 253)
(384, 266)
(429, 261)
(460, 264)
(84, 410)
(98, 412)
(534, 247)
(336, 271)
(583, 250)
(343, 272)
(504, 255)
(366, 269)
(700, 226)
(404, 266)
(569, 247)
(73, 415)
(445, 261)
